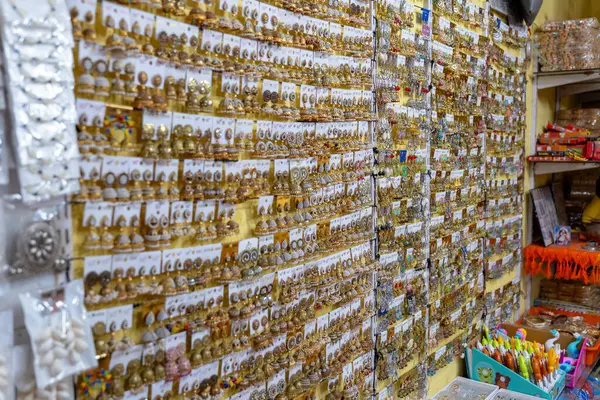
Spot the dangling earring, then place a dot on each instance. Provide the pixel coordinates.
(85, 82)
(162, 332)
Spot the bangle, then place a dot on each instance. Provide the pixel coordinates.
(536, 321)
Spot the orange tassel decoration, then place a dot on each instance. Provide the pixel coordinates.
(572, 262)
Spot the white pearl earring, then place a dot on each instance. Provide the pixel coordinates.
(55, 345)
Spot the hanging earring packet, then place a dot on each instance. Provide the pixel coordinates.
(61, 338)
(7, 362)
(38, 44)
(4, 150)
(92, 142)
(25, 383)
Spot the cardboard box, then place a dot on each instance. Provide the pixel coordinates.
(486, 369)
(558, 150)
(553, 140)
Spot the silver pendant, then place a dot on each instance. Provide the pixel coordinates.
(38, 250)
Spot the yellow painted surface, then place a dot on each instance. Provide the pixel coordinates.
(595, 8)
(445, 375)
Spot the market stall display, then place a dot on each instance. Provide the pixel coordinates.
(568, 322)
(267, 199)
(516, 359)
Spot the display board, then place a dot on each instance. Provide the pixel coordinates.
(282, 200)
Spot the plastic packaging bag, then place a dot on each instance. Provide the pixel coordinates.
(61, 338)
(571, 24)
(6, 362)
(569, 45)
(24, 379)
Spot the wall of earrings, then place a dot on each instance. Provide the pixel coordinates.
(270, 199)
(504, 169)
(447, 72)
(402, 155)
(479, 102)
(225, 226)
(459, 52)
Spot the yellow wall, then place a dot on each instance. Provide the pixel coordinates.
(595, 8)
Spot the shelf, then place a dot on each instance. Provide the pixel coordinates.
(555, 167)
(547, 80)
(566, 306)
(573, 393)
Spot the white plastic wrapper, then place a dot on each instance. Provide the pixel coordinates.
(37, 44)
(61, 338)
(24, 379)
(6, 359)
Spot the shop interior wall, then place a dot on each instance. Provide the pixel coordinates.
(546, 102)
(551, 10)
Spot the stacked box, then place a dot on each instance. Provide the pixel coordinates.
(569, 45)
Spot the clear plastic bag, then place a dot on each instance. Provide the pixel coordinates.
(6, 356)
(586, 118)
(24, 379)
(569, 45)
(571, 24)
(61, 338)
(37, 45)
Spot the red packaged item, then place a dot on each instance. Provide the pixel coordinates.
(551, 139)
(555, 128)
(589, 150)
(558, 150)
(592, 151)
(568, 130)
